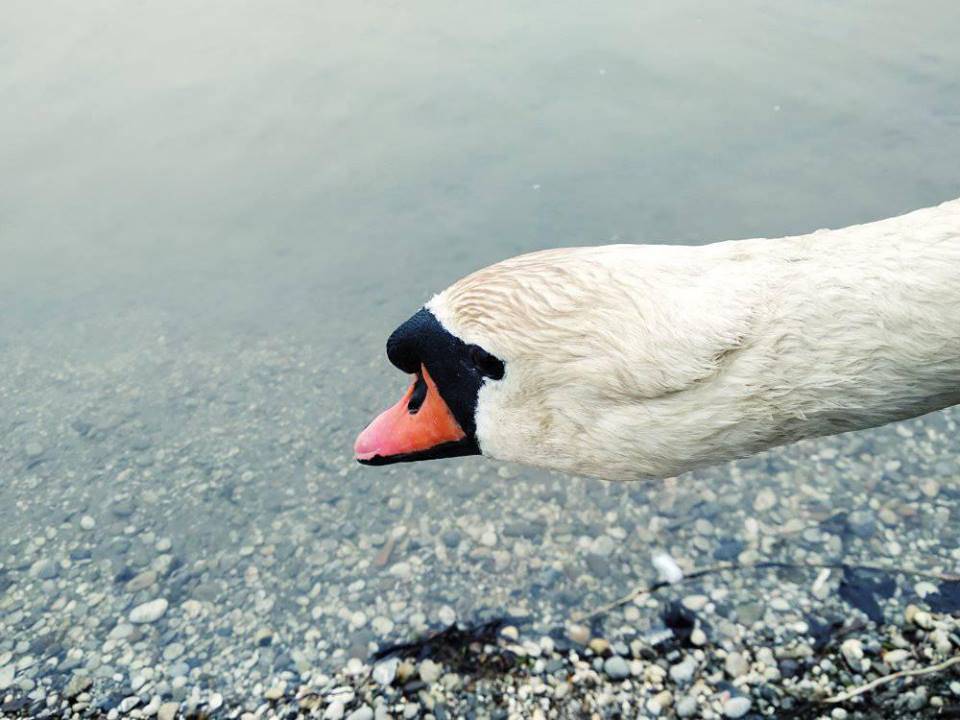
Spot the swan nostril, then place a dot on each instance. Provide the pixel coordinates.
(418, 396)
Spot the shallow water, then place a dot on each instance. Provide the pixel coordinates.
(211, 219)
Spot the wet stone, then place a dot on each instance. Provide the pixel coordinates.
(44, 569)
(148, 612)
(736, 707)
(728, 550)
(616, 668)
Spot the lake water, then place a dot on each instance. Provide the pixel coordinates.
(212, 216)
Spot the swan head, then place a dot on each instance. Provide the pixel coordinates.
(526, 361)
(593, 361)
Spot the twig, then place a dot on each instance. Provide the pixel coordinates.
(843, 697)
(722, 567)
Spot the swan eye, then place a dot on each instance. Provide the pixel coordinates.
(485, 363)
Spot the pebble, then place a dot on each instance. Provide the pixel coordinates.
(579, 634)
(168, 711)
(334, 711)
(87, 523)
(682, 673)
(916, 616)
(44, 569)
(599, 646)
(780, 605)
(930, 488)
(736, 707)
(736, 665)
(695, 603)
(616, 668)
(895, 658)
(852, 652)
(659, 702)
(148, 612)
(275, 692)
(384, 672)
(509, 632)
(429, 671)
(382, 625)
(603, 546)
(447, 615)
(686, 706)
(667, 567)
(141, 582)
(7, 673)
(364, 712)
(152, 707)
(401, 570)
(77, 684)
(765, 500)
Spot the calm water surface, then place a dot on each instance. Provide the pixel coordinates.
(212, 216)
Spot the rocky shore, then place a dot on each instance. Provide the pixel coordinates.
(185, 534)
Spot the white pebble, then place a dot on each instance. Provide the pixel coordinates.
(382, 625)
(447, 615)
(364, 712)
(334, 711)
(384, 672)
(667, 567)
(765, 500)
(148, 612)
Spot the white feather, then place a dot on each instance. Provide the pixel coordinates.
(631, 361)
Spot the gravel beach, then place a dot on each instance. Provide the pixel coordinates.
(184, 533)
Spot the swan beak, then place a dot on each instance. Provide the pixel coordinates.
(419, 427)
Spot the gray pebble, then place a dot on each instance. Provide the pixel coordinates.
(736, 665)
(6, 676)
(686, 706)
(364, 712)
(682, 672)
(172, 651)
(44, 569)
(616, 668)
(736, 707)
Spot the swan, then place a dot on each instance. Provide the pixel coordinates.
(627, 362)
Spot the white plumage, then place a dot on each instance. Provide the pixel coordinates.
(632, 361)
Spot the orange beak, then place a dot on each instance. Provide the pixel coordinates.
(409, 428)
